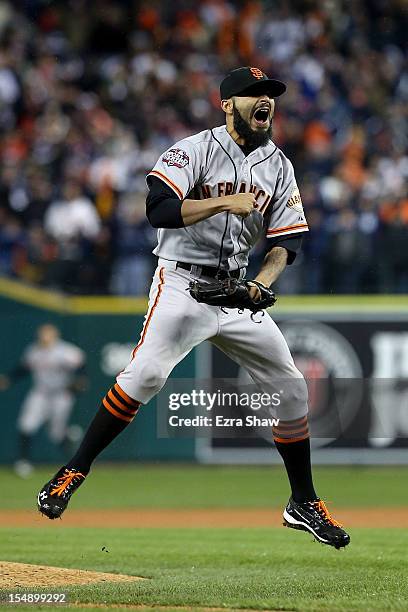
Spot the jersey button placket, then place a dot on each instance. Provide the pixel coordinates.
(244, 169)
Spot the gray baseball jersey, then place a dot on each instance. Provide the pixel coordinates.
(211, 164)
(52, 367)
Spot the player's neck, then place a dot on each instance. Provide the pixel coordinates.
(241, 142)
(235, 136)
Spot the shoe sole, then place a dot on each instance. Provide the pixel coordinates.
(289, 521)
(41, 510)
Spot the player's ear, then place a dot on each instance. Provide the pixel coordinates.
(227, 106)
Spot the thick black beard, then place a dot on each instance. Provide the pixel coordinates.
(253, 139)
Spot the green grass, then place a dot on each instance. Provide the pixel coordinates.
(184, 486)
(253, 568)
(259, 568)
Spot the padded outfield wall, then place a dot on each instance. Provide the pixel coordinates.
(107, 330)
(360, 342)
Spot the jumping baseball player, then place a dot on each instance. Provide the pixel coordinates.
(53, 365)
(212, 196)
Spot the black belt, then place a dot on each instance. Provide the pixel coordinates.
(210, 271)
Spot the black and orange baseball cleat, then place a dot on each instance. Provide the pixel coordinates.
(55, 495)
(314, 517)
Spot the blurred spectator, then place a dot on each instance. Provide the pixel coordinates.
(74, 224)
(394, 267)
(92, 93)
(133, 239)
(11, 244)
(72, 217)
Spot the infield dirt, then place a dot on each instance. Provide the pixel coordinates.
(210, 517)
(15, 575)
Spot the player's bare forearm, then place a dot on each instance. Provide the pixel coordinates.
(194, 211)
(273, 265)
(240, 204)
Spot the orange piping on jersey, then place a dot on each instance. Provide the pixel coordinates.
(288, 228)
(115, 413)
(164, 178)
(149, 318)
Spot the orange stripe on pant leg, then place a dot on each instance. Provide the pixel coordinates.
(149, 318)
(296, 428)
(115, 413)
(290, 440)
(121, 405)
(288, 430)
(291, 431)
(294, 433)
(125, 396)
(292, 424)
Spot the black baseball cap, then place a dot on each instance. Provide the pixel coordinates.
(249, 81)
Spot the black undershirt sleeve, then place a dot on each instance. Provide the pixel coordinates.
(291, 243)
(163, 207)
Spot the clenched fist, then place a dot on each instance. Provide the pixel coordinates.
(241, 204)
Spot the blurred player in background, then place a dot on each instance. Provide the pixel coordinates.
(57, 368)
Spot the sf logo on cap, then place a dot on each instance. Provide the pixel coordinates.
(258, 74)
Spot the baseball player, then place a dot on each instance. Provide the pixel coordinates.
(212, 196)
(54, 365)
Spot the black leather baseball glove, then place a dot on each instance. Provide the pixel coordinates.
(232, 293)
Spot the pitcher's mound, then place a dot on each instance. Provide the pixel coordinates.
(14, 575)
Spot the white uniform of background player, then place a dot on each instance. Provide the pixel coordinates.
(52, 363)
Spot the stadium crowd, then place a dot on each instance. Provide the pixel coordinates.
(92, 92)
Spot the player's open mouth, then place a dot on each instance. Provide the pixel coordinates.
(261, 116)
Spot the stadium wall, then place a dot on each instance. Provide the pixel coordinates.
(107, 336)
(358, 338)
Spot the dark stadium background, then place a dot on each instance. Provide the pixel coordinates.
(92, 92)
